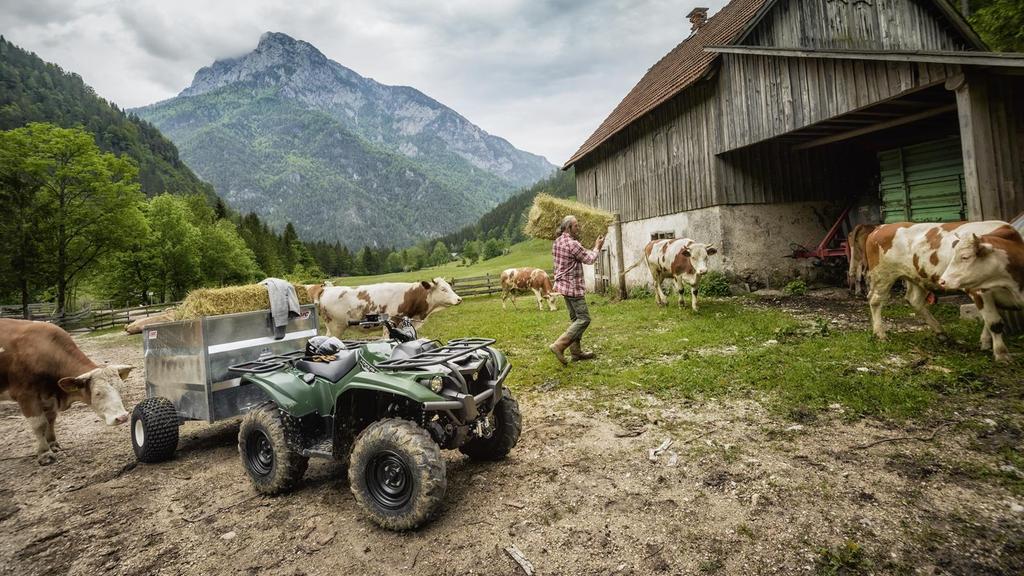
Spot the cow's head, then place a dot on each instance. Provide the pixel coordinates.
(440, 294)
(98, 389)
(698, 254)
(974, 263)
(314, 291)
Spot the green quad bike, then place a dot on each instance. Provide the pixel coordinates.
(388, 407)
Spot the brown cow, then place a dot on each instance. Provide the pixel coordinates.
(43, 370)
(535, 279)
(858, 273)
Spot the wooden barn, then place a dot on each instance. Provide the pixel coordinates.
(775, 116)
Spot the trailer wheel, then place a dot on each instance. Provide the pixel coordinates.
(265, 439)
(507, 423)
(154, 430)
(397, 474)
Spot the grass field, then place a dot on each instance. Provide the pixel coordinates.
(733, 348)
(536, 253)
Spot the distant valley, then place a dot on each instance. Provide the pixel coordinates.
(288, 133)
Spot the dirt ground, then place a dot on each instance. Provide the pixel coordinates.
(739, 491)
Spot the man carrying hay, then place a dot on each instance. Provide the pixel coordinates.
(570, 256)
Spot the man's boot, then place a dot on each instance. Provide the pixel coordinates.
(578, 353)
(558, 347)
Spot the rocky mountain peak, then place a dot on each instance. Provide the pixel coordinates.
(278, 55)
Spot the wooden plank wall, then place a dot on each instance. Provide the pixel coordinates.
(658, 165)
(766, 96)
(992, 130)
(863, 24)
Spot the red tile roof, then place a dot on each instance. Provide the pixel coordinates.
(682, 67)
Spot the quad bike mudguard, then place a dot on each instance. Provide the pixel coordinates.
(294, 396)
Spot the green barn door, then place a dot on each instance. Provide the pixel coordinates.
(923, 182)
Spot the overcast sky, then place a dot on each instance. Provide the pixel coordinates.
(542, 74)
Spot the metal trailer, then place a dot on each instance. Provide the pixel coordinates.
(187, 376)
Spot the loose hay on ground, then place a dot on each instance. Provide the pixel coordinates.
(547, 212)
(230, 300)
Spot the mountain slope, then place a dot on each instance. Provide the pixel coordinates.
(32, 90)
(295, 136)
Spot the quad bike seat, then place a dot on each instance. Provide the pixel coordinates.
(334, 370)
(411, 348)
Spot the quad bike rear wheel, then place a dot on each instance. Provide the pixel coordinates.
(507, 423)
(265, 441)
(397, 474)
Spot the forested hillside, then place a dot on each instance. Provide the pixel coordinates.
(32, 90)
(505, 222)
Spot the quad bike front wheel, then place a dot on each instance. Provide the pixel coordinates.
(507, 423)
(397, 474)
(263, 445)
(154, 430)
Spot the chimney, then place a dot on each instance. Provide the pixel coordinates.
(697, 17)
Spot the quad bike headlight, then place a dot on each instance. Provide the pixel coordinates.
(435, 384)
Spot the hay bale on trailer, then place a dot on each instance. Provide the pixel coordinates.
(547, 211)
(230, 300)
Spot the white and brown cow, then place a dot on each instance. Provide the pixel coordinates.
(990, 268)
(523, 279)
(413, 300)
(43, 370)
(918, 254)
(681, 259)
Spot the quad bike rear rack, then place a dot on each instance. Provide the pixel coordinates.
(450, 352)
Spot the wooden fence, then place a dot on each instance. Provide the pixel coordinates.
(88, 319)
(102, 316)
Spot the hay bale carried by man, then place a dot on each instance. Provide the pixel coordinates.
(548, 212)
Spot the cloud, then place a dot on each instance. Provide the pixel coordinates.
(542, 74)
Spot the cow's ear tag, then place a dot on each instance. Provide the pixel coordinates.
(70, 385)
(425, 284)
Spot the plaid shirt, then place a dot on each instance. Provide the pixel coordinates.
(570, 256)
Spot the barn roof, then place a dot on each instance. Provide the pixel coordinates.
(682, 67)
(688, 62)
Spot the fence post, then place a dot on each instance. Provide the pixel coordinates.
(619, 264)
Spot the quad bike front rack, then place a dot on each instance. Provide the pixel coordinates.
(450, 352)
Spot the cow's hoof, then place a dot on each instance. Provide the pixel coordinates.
(882, 337)
(55, 446)
(942, 336)
(46, 458)
(1004, 358)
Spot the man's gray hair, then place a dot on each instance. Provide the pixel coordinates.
(565, 223)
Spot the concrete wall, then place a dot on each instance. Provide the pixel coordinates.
(753, 239)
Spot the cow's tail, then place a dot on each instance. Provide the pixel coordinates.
(857, 242)
(635, 264)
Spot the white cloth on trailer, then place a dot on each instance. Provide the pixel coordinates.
(284, 303)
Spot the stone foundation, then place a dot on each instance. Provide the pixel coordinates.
(753, 240)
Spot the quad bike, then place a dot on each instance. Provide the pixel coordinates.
(386, 407)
